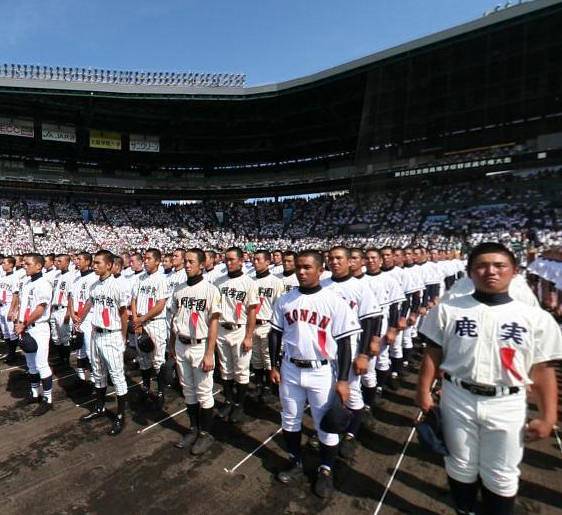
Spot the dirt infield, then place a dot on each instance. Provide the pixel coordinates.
(55, 464)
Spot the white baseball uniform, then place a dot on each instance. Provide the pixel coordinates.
(80, 293)
(62, 286)
(8, 283)
(290, 281)
(174, 278)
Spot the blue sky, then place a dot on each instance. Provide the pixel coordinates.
(268, 40)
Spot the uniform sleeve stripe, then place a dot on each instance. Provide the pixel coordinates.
(372, 314)
(276, 327)
(348, 333)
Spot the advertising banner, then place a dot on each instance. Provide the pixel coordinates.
(17, 127)
(64, 133)
(107, 140)
(144, 143)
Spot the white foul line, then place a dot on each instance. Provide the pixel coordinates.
(142, 430)
(401, 458)
(230, 471)
(63, 377)
(557, 435)
(21, 367)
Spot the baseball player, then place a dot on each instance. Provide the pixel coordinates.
(60, 316)
(79, 295)
(176, 277)
(489, 348)
(167, 266)
(33, 320)
(126, 269)
(270, 288)
(108, 306)
(148, 305)
(8, 282)
(314, 326)
(239, 299)
(212, 272)
(289, 276)
(362, 302)
(276, 266)
(51, 273)
(196, 309)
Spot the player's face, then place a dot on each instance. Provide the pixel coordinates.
(48, 263)
(150, 263)
(289, 263)
(177, 259)
(260, 263)
(434, 256)
(398, 258)
(408, 256)
(19, 261)
(233, 262)
(192, 265)
(167, 262)
(82, 263)
(101, 267)
(419, 256)
(277, 258)
(492, 273)
(373, 262)
(356, 262)
(308, 272)
(209, 261)
(61, 263)
(339, 263)
(32, 267)
(136, 264)
(125, 258)
(7, 266)
(116, 268)
(388, 258)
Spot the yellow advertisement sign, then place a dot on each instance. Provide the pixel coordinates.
(107, 140)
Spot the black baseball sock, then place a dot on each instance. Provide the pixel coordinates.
(369, 395)
(193, 415)
(293, 443)
(161, 380)
(35, 381)
(259, 376)
(464, 495)
(206, 419)
(12, 345)
(353, 427)
(47, 384)
(396, 365)
(494, 504)
(328, 455)
(382, 377)
(228, 389)
(146, 377)
(241, 390)
(100, 398)
(121, 404)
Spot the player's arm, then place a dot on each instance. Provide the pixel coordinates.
(70, 310)
(152, 312)
(274, 341)
(208, 362)
(545, 390)
(404, 307)
(344, 365)
(250, 327)
(37, 313)
(124, 316)
(14, 307)
(85, 310)
(431, 361)
(414, 308)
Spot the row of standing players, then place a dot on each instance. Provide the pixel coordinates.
(343, 334)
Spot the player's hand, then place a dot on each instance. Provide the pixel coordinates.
(66, 319)
(208, 362)
(247, 344)
(11, 316)
(19, 328)
(430, 304)
(275, 376)
(402, 323)
(138, 330)
(411, 320)
(375, 346)
(538, 428)
(137, 323)
(342, 389)
(425, 401)
(423, 311)
(390, 335)
(361, 364)
(77, 326)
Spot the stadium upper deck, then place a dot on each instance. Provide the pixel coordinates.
(453, 97)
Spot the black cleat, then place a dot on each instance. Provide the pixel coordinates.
(324, 486)
(348, 446)
(237, 415)
(97, 413)
(159, 401)
(314, 442)
(379, 399)
(117, 425)
(394, 383)
(225, 410)
(33, 400)
(203, 443)
(292, 474)
(43, 408)
(187, 440)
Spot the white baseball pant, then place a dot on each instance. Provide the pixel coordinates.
(86, 350)
(380, 362)
(260, 348)
(53, 328)
(62, 329)
(355, 401)
(6, 326)
(301, 384)
(395, 350)
(107, 357)
(156, 329)
(234, 362)
(484, 436)
(38, 362)
(197, 385)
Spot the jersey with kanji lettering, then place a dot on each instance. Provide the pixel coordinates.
(290, 281)
(193, 306)
(8, 284)
(237, 294)
(51, 276)
(492, 344)
(149, 290)
(270, 288)
(125, 287)
(107, 296)
(80, 291)
(312, 323)
(386, 289)
(35, 291)
(62, 288)
(175, 278)
(357, 294)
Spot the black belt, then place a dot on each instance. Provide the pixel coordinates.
(306, 363)
(59, 307)
(101, 330)
(262, 322)
(189, 341)
(480, 389)
(231, 327)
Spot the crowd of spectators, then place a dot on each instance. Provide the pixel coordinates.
(513, 210)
